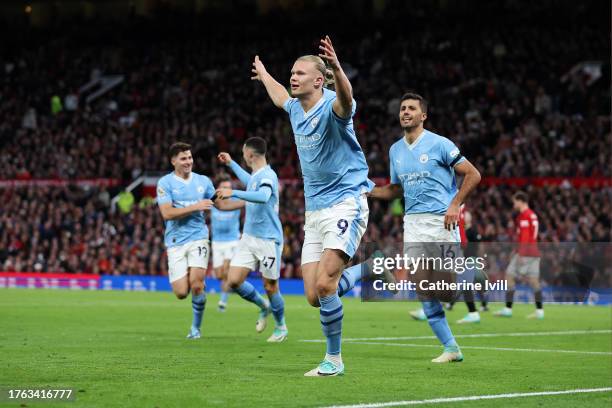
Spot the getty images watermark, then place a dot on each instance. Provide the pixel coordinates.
(465, 269)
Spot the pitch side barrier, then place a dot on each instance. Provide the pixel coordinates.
(523, 294)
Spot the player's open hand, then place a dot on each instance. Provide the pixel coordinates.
(451, 218)
(224, 193)
(224, 158)
(258, 69)
(328, 53)
(203, 205)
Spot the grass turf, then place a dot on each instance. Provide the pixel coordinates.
(124, 349)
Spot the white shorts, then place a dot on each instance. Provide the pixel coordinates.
(425, 236)
(524, 266)
(339, 227)
(253, 252)
(192, 254)
(222, 251)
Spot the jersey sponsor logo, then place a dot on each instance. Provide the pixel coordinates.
(414, 178)
(314, 122)
(524, 223)
(307, 142)
(454, 153)
(423, 158)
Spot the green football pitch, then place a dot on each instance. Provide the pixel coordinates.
(128, 349)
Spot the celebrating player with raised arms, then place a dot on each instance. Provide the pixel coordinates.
(182, 197)
(262, 242)
(335, 183)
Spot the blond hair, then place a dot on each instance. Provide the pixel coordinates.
(328, 75)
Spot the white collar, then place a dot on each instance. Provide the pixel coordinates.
(413, 144)
(252, 174)
(182, 180)
(316, 105)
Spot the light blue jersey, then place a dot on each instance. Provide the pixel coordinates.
(225, 225)
(425, 171)
(262, 220)
(183, 193)
(333, 165)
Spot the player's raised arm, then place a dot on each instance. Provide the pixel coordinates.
(388, 192)
(344, 91)
(276, 91)
(228, 205)
(242, 174)
(470, 181)
(260, 196)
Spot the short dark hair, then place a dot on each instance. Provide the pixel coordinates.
(258, 145)
(177, 148)
(221, 177)
(521, 196)
(416, 96)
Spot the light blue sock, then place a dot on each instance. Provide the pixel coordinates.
(248, 292)
(331, 321)
(224, 296)
(437, 320)
(349, 277)
(198, 303)
(278, 308)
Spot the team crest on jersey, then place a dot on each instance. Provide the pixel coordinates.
(161, 192)
(200, 189)
(253, 186)
(423, 158)
(314, 122)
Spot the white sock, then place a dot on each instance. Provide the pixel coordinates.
(508, 309)
(540, 312)
(336, 359)
(474, 314)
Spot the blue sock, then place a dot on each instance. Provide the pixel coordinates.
(198, 303)
(278, 308)
(248, 292)
(437, 320)
(349, 277)
(331, 321)
(224, 296)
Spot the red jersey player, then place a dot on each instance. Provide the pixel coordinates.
(526, 260)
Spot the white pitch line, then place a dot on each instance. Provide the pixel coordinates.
(471, 398)
(372, 343)
(479, 335)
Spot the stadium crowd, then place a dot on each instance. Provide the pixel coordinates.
(501, 94)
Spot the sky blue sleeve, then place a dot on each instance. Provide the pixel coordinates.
(210, 189)
(260, 196)
(163, 192)
(289, 104)
(392, 173)
(338, 118)
(242, 175)
(450, 153)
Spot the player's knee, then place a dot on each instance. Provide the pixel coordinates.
(313, 299)
(270, 286)
(197, 288)
(181, 294)
(234, 283)
(325, 287)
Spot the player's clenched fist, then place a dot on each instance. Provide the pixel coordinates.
(224, 158)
